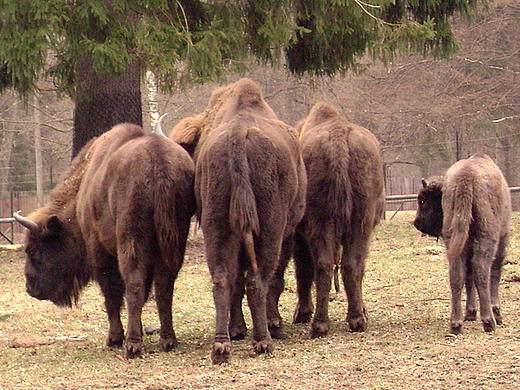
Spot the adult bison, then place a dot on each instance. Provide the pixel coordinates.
(470, 208)
(121, 216)
(250, 188)
(345, 200)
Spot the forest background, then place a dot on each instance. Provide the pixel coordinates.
(426, 113)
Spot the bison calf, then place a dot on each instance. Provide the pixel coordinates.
(121, 216)
(470, 209)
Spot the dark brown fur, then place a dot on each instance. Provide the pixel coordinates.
(120, 216)
(345, 199)
(250, 188)
(475, 210)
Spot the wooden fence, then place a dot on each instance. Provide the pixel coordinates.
(400, 195)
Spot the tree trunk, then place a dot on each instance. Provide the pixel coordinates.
(9, 117)
(38, 151)
(103, 101)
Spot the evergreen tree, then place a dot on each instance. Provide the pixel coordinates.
(97, 50)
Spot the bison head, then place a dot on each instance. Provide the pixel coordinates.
(55, 267)
(428, 218)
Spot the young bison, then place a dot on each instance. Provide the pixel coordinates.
(470, 209)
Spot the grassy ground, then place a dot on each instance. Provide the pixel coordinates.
(405, 347)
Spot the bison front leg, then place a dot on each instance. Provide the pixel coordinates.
(471, 297)
(113, 289)
(276, 287)
(496, 272)
(237, 324)
(304, 270)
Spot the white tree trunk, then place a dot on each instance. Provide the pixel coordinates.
(153, 106)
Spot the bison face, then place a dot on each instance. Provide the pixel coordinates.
(52, 267)
(428, 218)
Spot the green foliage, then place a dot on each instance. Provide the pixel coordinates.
(195, 40)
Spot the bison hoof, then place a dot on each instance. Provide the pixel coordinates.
(497, 315)
(237, 335)
(302, 316)
(319, 328)
(456, 328)
(221, 352)
(115, 342)
(489, 325)
(237, 332)
(168, 344)
(276, 329)
(264, 346)
(358, 323)
(471, 315)
(133, 350)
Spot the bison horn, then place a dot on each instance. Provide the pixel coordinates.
(158, 126)
(26, 222)
(424, 184)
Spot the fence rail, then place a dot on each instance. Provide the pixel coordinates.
(29, 203)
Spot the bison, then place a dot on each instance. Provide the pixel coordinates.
(121, 217)
(470, 209)
(345, 200)
(250, 186)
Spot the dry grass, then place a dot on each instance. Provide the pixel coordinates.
(406, 346)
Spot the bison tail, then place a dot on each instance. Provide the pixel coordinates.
(339, 189)
(458, 204)
(243, 215)
(165, 219)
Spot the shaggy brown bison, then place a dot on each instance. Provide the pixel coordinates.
(250, 186)
(121, 216)
(470, 208)
(345, 200)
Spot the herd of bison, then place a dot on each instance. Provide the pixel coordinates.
(263, 192)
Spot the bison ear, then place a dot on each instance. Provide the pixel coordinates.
(54, 225)
(424, 184)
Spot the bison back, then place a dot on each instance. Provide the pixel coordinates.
(140, 197)
(475, 195)
(326, 155)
